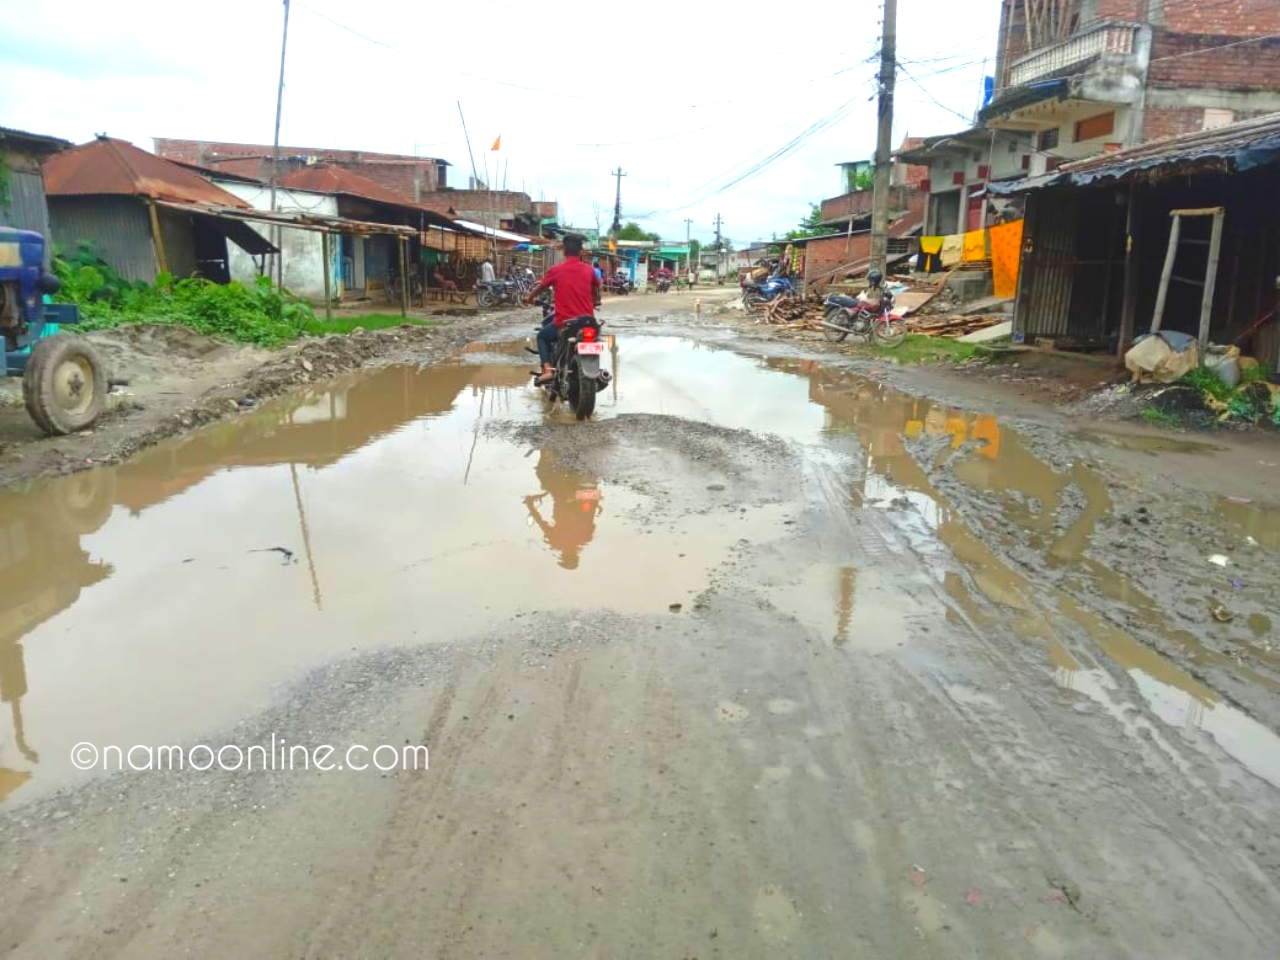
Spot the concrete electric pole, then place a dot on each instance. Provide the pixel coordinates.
(617, 204)
(275, 147)
(884, 138)
(719, 246)
(688, 245)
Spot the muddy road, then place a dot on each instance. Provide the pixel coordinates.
(776, 657)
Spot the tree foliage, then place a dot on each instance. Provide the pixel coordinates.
(810, 226)
(633, 231)
(862, 179)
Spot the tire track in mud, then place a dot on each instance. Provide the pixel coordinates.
(1065, 772)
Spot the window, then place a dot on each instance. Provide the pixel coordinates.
(1102, 125)
(1215, 118)
(1048, 139)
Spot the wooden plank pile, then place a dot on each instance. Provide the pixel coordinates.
(953, 326)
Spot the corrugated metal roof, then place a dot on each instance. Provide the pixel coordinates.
(215, 175)
(108, 166)
(297, 219)
(40, 141)
(327, 179)
(1238, 147)
(493, 233)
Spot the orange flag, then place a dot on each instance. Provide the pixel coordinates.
(497, 144)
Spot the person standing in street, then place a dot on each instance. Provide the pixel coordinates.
(486, 271)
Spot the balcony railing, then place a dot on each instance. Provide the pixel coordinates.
(1106, 36)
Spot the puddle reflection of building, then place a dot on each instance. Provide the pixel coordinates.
(575, 503)
(881, 418)
(43, 569)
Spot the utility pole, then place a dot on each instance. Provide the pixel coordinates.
(275, 146)
(884, 137)
(475, 177)
(617, 204)
(719, 245)
(688, 245)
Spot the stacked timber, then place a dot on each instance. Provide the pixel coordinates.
(953, 326)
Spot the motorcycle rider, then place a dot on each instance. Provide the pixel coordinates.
(577, 294)
(486, 271)
(873, 296)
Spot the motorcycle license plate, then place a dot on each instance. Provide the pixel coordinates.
(587, 496)
(591, 347)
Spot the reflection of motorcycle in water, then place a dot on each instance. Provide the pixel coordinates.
(575, 504)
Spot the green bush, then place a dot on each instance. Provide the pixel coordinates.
(248, 313)
(1207, 383)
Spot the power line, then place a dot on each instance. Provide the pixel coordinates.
(910, 76)
(1222, 46)
(436, 63)
(543, 15)
(730, 179)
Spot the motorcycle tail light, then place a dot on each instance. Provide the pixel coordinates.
(588, 334)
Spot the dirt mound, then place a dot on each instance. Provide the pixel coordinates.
(160, 340)
(180, 380)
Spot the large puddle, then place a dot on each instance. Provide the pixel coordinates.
(148, 603)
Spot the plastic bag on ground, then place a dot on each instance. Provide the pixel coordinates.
(1163, 357)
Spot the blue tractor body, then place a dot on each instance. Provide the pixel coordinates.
(24, 284)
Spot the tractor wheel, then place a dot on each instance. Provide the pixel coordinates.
(65, 384)
(85, 499)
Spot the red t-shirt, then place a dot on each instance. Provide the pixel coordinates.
(574, 282)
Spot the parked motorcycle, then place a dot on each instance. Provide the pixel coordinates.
(618, 283)
(853, 315)
(755, 296)
(495, 293)
(576, 363)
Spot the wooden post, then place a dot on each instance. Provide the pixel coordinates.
(324, 253)
(1110, 267)
(404, 279)
(156, 238)
(1132, 265)
(1211, 277)
(1162, 294)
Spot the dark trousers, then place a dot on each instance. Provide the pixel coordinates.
(547, 337)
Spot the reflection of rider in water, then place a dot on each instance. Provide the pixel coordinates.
(573, 517)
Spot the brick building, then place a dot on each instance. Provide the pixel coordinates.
(1084, 77)
(503, 209)
(829, 259)
(417, 180)
(409, 178)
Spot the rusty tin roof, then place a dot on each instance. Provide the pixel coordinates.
(328, 179)
(109, 166)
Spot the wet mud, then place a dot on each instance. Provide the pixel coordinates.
(768, 630)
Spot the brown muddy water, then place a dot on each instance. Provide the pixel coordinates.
(146, 603)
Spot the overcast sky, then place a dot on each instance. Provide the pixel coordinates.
(684, 102)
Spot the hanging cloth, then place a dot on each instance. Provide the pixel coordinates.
(1006, 257)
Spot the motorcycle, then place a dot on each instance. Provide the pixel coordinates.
(494, 293)
(853, 315)
(576, 363)
(756, 295)
(617, 284)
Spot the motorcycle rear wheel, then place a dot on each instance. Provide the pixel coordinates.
(840, 318)
(582, 395)
(754, 303)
